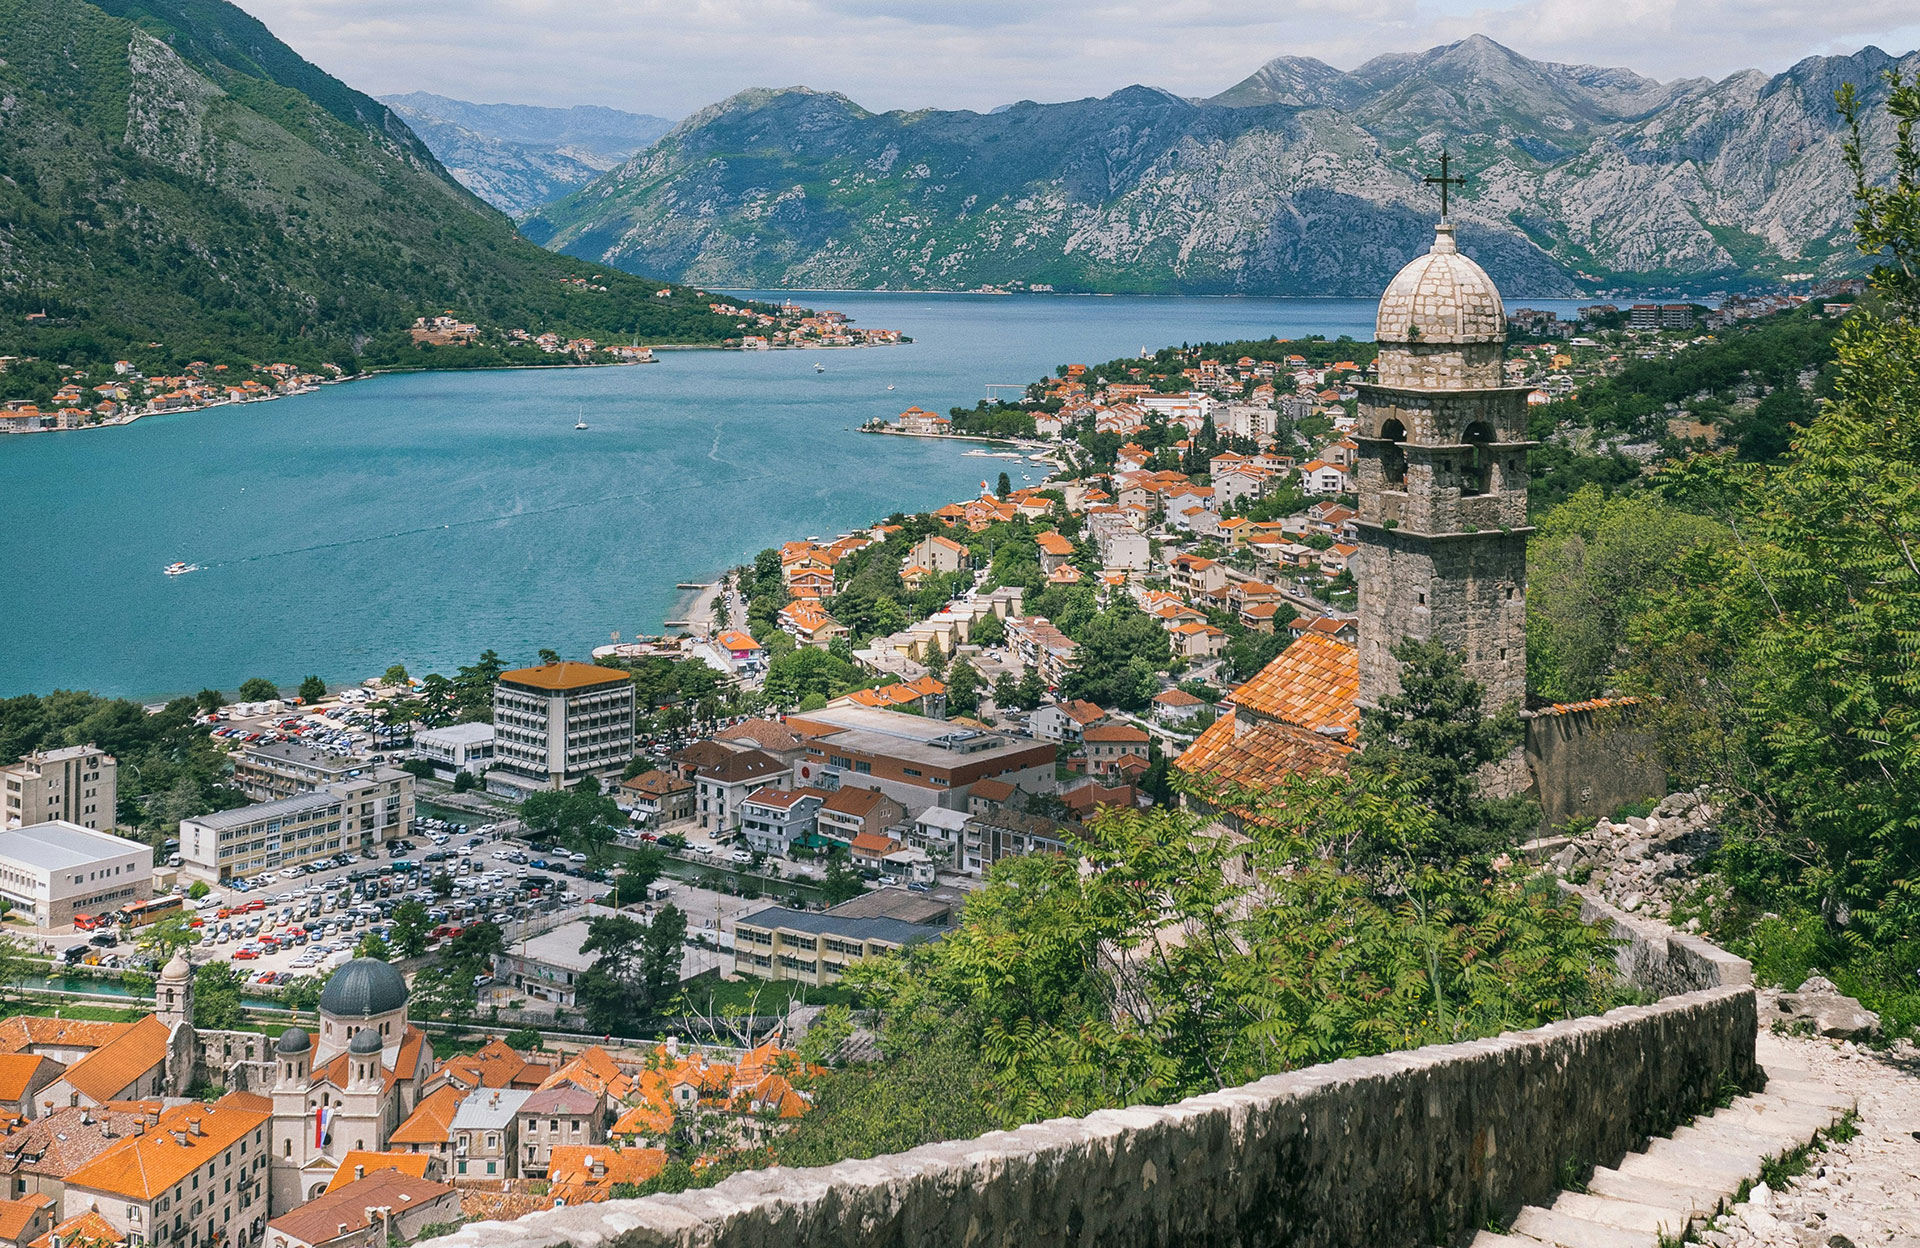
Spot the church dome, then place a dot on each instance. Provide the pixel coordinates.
(363, 988)
(366, 1042)
(293, 1040)
(1441, 297)
(177, 969)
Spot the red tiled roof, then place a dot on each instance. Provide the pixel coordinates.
(1313, 683)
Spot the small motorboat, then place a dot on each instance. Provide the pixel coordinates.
(180, 569)
(819, 368)
(889, 385)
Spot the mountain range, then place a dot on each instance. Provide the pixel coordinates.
(518, 157)
(1301, 179)
(172, 174)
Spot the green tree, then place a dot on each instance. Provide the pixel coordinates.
(841, 882)
(197, 890)
(372, 945)
(963, 688)
(1059, 979)
(395, 676)
(793, 677)
(989, 631)
(16, 963)
(216, 997)
(1434, 736)
(465, 781)
(442, 884)
(312, 690)
(525, 1040)
(1592, 564)
(412, 928)
(1120, 651)
(644, 867)
(209, 700)
(445, 992)
(258, 690)
(636, 968)
(163, 939)
(1005, 486)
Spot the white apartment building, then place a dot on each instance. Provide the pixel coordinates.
(78, 784)
(53, 871)
(555, 723)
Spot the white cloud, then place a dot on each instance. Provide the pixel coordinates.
(673, 57)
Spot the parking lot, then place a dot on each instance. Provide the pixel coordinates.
(305, 920)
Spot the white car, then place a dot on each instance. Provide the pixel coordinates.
(576, 856)
(703, 849)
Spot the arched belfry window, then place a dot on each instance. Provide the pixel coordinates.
(1393, 456)
(1477, 471)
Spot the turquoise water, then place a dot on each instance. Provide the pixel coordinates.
(423, 518)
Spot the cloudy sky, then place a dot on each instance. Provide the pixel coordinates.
(670, 57)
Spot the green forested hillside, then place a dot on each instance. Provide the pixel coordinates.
(170, 172)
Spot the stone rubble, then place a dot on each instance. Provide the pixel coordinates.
(1819, 1006)
(1645, 865)
(1863, 1193)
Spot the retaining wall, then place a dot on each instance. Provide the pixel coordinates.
(1413, 1148)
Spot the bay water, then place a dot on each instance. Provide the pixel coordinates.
(423, 518)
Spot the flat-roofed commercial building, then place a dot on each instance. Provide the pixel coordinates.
(275, 769)
(917, 762)
(456, 748)
(78, 784)
(53, 871)
(347, 815)
(812, 947)
(555, 723)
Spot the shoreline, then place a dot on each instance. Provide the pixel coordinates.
(120, 422)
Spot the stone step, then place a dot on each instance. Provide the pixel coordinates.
(1747, 1137)
(1565, 1231)
(1628, 1215)
(1664, 1158)
(1697, 1199)
(1494, 1239)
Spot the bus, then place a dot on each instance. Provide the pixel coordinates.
(152, 910)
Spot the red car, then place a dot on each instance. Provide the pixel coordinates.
(244, 955)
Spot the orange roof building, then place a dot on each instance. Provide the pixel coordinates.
(429, 1128)
(188, 1140)
(1299, 713)
(585, 1173)
(24, 1220)
(89, 1230)
(127, 1067)
(563, 677)
(358, 1165)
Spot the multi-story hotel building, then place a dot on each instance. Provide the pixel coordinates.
(555, 723)
(351, 814)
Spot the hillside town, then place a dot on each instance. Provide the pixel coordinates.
(83, 398)
(651, 875)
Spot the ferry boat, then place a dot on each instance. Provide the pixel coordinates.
(180, 569)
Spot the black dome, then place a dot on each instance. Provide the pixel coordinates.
(294, 1040)
(366, 1040)
(363, 988)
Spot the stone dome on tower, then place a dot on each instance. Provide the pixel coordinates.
(294, 1040)
(363, 988)
(1441, 298)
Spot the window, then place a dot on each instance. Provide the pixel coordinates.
(1477, 471)
(1393, 457)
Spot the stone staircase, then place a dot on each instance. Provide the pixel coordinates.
(1684, 1179)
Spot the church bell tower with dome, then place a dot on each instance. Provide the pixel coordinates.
(1442, 481)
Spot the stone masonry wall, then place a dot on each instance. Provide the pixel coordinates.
(1413, 1148)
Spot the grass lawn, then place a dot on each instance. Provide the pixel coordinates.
(85, 1011)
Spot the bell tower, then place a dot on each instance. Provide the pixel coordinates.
(1442, 480)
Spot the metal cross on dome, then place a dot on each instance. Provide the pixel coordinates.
(1443, 181)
